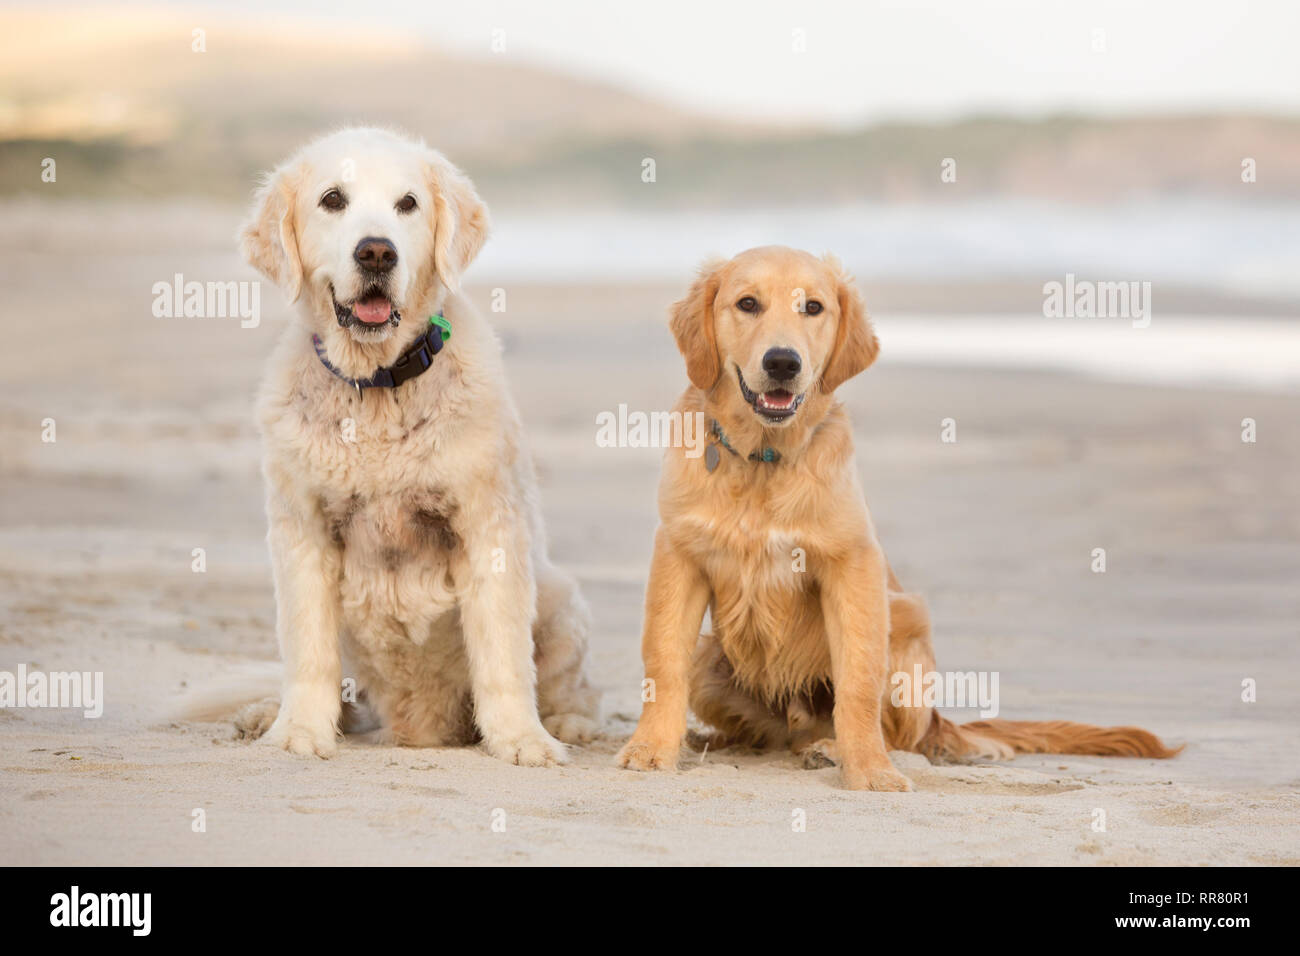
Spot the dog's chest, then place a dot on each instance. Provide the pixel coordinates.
(383, 488)
(386, 495)
(390, 529)
(400, 561)
(760, 555)
(752, 559)
(747, 536)
(343, 439)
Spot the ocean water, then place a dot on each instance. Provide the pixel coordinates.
(1245, 248)
(1181, 350)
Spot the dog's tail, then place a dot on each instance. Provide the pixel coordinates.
(1002, 739)
(228, 692)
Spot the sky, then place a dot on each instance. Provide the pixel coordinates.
(871, 61)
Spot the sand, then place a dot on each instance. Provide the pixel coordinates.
(156, 456)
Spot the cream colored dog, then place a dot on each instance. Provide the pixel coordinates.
(405, 533)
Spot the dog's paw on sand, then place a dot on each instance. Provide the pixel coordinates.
(637, 755)
(255, 719)
(819, 754)
(533, 749)
(301, 739)
(884, 779)
(571, 728)
(814, 759)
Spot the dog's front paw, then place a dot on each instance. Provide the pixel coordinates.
(254, 720)
(571, 728)
(646, 754)
(535, 748)
(884, 778)
(305, 738)
(819, 754)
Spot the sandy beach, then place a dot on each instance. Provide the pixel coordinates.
(156, 456)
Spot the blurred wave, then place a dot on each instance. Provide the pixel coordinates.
(1245, 249)
(1180, 350)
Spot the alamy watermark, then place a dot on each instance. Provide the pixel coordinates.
(947, 689)
(208, 300)
(129, 910)
(636, 429)
(57, 689)
(1085, 299)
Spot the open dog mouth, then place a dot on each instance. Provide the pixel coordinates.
(372, 310)
(775, 405)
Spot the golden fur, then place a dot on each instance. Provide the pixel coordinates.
(808, 619)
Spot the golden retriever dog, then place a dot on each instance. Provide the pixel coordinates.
(769, 531)
(405, 533)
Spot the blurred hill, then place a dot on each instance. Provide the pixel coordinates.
(125, 105)
(126, 108)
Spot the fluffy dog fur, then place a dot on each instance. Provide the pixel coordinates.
(405, 533)
(797, 657)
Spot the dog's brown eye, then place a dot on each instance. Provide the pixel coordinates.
(747, 304)
(333, 200)
(813, 307)
(406, 203)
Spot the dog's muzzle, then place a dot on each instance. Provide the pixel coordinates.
(372, 310)
(773, 405)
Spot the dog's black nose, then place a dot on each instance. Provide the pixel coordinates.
(782, 364)
(375, 255)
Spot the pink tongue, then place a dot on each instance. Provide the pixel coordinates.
(373, 311)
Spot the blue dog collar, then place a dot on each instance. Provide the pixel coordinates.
(414, 362)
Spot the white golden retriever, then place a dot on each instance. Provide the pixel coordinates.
(405, 533)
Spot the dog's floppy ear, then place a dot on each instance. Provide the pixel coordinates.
(269, 240)
(855, 345)
(691, 320)
(460, 220)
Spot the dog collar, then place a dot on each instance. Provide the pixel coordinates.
(770, 455)
(415, 361)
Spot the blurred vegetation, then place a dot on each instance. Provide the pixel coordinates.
(1063, 158)
(127, 109)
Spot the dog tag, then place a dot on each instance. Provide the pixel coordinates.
(711, 457)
